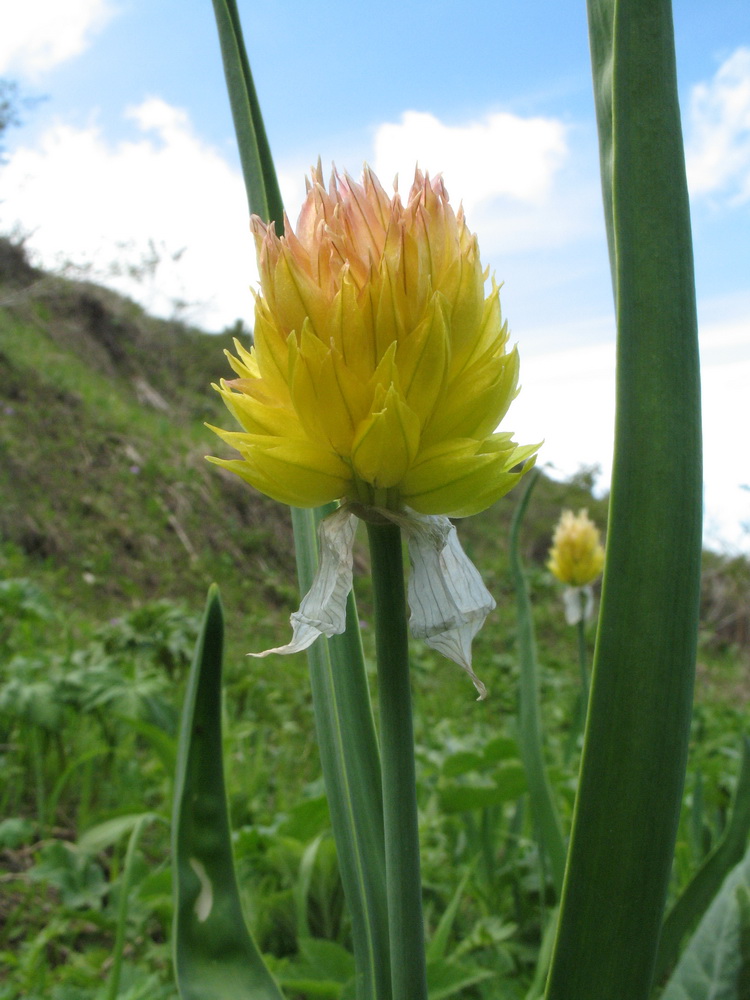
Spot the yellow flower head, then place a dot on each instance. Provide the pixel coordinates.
(576, 556)
(380, 370)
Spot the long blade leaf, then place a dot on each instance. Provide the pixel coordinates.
(636, 740)
(214, 955)
(261, 184)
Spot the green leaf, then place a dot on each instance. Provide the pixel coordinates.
(78, 878)
(263, 195)
(635, 747)
(307, 819)
(322, 969)
(214, 954)
(714, 963)
(704, 885)
(302, 886)
(462, 763)
(500, 748)
(449, 979)
(439, 943)
(547, 826)
(103, 835)
(509, 783)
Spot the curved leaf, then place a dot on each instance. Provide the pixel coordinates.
(635, 748)
(214, 954)
(701, 889)
(714, 964)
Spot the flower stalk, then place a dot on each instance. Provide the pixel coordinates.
(402, 864)
(583, 665)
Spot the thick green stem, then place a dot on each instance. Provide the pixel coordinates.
(404, 885)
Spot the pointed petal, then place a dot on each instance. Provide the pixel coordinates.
(297, 472)
(422, 359)
(386, 442)
(465, 477)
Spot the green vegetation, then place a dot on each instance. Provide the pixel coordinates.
(112, 527)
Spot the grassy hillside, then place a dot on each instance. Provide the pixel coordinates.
(105, 490)
(112, 525)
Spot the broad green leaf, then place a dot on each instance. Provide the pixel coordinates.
(214, 954)
(462, 763)
(500, 748)
(704, 885)
(307, 819)
(450, 979)
(635, 746)
(322, 969)
(509, 783)
(713, 966)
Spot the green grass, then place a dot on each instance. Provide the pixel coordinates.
(112, 526)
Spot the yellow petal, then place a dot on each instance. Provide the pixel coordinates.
(386, 442)
(475, 402)
(462, 480)
(329, 399)
(422, 360)
(295, 472)
(258, 417)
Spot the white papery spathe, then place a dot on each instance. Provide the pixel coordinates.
(579, 604)
(448, 600)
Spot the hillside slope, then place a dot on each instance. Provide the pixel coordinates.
(104, 489)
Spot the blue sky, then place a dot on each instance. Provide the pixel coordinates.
(132, 151)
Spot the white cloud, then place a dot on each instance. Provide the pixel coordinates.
(40, 34)
(513, 175)
(568, 398)
(718, 148)
(109, 206)
(500, 156)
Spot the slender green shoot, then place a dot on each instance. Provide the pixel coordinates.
(113, 987)
(544, 812)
